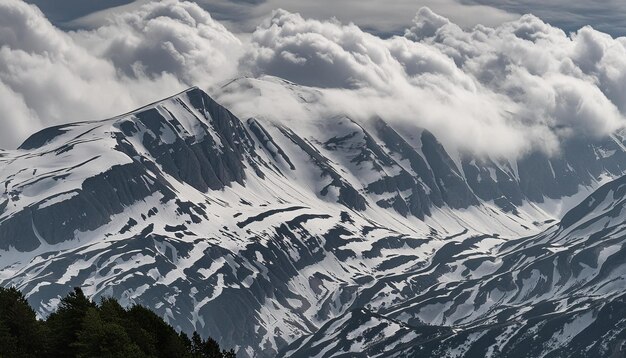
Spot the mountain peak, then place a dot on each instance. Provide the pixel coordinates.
(47, 135)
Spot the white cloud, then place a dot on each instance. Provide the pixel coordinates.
(505, 90)
(425, 24)
(175, 37)
(49, 77)
(501, 90)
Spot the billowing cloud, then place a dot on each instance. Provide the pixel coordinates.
(502, 90)
(48, 76)
(426, 24)
(178, 38)
(506, 90)
(554, 80)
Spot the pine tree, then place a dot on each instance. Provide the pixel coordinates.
(66, 323)
(79, 328)
(196, 345)
(167, 340)
(210, 349)
(21, 335)
(98, 338)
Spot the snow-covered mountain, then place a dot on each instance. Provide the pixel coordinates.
(273, 238)
(556, 294)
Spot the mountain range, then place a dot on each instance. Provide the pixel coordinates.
(325, 237)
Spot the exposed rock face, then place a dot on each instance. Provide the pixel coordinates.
(99, 198)
(258, 233)
(455, 191)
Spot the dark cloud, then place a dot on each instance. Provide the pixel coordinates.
(605, 15)
(388, 17)
(60, 12)
(241, 13)
(244, 15)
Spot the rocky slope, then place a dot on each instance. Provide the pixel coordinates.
(257, 233)
(556, 294)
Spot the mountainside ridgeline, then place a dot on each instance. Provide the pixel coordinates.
(258, 233)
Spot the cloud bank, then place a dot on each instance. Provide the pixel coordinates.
(504, 90)
(521, 86)
(49, 77)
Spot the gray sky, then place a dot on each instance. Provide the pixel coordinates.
(380, 17)
(604, 15)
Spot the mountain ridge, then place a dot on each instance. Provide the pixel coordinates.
(250, 231)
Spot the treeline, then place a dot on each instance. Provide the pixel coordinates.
(81, 328)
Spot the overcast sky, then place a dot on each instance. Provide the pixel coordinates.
(383, 17)
(477, 73)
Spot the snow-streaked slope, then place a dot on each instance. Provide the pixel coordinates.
(556, 294)
(255, 232)
(448, 177)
